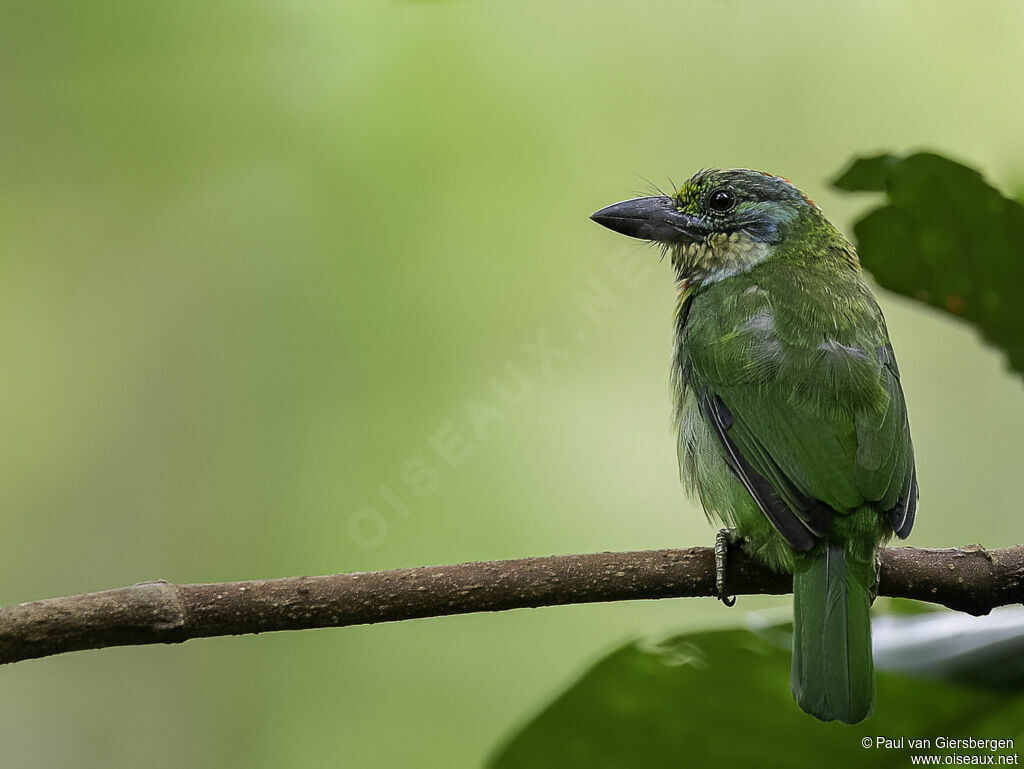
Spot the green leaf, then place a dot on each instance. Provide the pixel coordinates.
(722, 699)
(865, 174)
(947, 238)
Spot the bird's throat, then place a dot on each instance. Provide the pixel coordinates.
(717, 257)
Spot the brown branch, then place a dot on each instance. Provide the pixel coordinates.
(969, 579)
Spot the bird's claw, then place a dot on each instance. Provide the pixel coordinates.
(723, 539)
(873, 592)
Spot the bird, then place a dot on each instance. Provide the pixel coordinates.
(790, 415)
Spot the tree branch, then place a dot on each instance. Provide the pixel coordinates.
(968, 579)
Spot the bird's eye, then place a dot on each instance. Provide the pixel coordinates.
(721, 201)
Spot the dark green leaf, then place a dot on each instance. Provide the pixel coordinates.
(722, 699)
(865, 174)
(946, 238)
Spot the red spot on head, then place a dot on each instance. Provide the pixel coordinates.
(955, 304)
(787, 181)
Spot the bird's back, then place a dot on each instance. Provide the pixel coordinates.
(795, 356)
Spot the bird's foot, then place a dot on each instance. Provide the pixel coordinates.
(723, 539)
(873, 592)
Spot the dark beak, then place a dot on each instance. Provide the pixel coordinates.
(655, 218)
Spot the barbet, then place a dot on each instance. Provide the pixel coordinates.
(791, 419)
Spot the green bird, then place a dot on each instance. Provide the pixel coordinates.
(792, 425)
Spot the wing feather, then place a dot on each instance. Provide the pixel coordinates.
(813, 423)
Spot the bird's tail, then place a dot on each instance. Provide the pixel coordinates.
(833, 675)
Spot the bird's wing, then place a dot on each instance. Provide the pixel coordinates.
(799, 518)
(805, 458)
(885, 471)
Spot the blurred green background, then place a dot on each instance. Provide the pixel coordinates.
(258, 257)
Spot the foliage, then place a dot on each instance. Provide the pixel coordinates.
(720, 699)
(947, 238)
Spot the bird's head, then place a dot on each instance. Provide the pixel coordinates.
(719, 223)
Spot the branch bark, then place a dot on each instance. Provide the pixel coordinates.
(969, 579)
